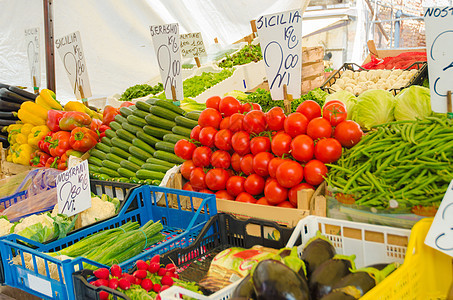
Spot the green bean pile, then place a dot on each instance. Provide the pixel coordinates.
(408, 161)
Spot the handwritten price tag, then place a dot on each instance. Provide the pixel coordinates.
(167, 46)
(73, 190)
(192, 45)
(439, 42)
(33, 50)
(280, 38)
(72, 55)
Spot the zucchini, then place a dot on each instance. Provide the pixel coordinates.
(110, 164)
(107, 141)
(130, 166)
(95, 161)
(170, 157)
(174, 138)
(193, 115)
(159, 122)
(120, 152)
(161, 162)
(126, 173)
(114, 158)
(139, 153)
(165, 146)
(140, 113)
(142, 145)
(156, 168)
(149, 139)
(110, 133)
(104, 177)
(97, 153)
(152, 101)
(155, 131)
(115, 125)
(93, 168)
(135, 160)
(134, 120)
(163, 112)
(185, 122)
(125, 135)
(131, 128)
(122, 144)
(103, 147)
(168, 105)
(147, 174)
(120, 119)
(125, 111)
(109, 172)
(143, 106)
(181, 131)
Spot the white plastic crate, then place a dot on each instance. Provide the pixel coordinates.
(370, 243)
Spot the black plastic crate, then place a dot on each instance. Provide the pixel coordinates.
(221, 232)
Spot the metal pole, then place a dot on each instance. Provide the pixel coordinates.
(49, 43)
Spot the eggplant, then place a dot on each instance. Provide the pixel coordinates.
(244, 290)
(23, 93)
(3, 85)
(8, 115)
(5, 105)
(337, 295)
(4, 141)
(7, 122)
(317, 251)
(328, 274)
(273, 280)
(12, 97)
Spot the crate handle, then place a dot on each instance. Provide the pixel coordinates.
(212, 209)
(292, 240)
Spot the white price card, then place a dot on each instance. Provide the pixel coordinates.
(281, 45)
(73, 190)
(33, 52)
(192, 45)
(439, 45)
(73, 58)
(168, 51)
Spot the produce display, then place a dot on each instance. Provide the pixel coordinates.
(196, 85)
(401, 61)
(141, 90)
(244, 56)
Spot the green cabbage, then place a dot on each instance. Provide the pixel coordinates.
(347, 98)
(413, 103)
(374, 107)
(239, 95)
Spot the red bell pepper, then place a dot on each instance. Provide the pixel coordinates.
(83, 139)
(59, 143)
(73, 119)
(39, 158)
(101, 131)
(95, 124)
(109, 114)
(127, 104)
(45, 142)
(63, 163)
(53, 119)
(52, 162)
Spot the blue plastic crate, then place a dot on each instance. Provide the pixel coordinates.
(181, 226)
(6, 202)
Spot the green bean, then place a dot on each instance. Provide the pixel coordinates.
(357, 174)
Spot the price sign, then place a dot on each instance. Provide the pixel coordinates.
(167, 46)
(280, 38)
(439, 42)
(192, 45)
(72, 55)
(73, 190)
(33, 50)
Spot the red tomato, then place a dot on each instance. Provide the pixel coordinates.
(263, 201)
(314, 172)
(216, 179)
(348, 133)
(261, 163)
(246, 107)
(292, 194)
(334, 113)
(295, 124)
(207, 136)
(254, 122)
(286, 204)
(334, 101)
(229, 105)
(186, 168)
(328, 150)
(184, 149)
(202, 156)
(225, 123)
(206, 191)
(260, 144)
(210, 117)
(310, 109)
(236, 162)
(223, 195)
(275, 118)
(319, 128)
(235, 185)
(274, 192)
(247, 164)
(289, 174)
(236, 121)
(222, 139)
(241, 142)
(197, 178)
(220, 159)
(273, 165)
(213, 102)
(195, 133)
(302, 148)
(245, 197)
(281, 144)
(254, 184)
(188, 187)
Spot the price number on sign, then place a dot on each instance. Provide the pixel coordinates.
(192, 45)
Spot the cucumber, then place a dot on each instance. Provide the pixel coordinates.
(163, 112)
(170, 157)
(125, 135)
(193, 115)
(110, 164)
(155, 131)
(120, 119)
(174, 138)
(110, 133)
(168, 105)
(97, 153)
(134, 120)
(103, 147)
(143, 106)
(93, 168)
(95, 161)
(149, 139)
(161, 162)
(156, 168)
(131, 128)
(129, 165)
(126, 173)
(185, 122)
(114, 158)
(135, 160)
(125, 111)
(159, 122)
(181, 131)
(103, 177)
(120, 152)
(107, 141)
(115, 125)
(122, 144)
(109, 172)
(139, 153)
(142, 145)
(140, 113)
(152, 101)
(147, 174)
(165, 146)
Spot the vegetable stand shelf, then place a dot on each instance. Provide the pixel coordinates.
(50, 278)
(221, 232)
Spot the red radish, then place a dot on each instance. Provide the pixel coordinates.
(153, 267)
(156, 287)
(124, 284)
(158, 297)
(155, 258)
(115, 270)
(161, 272)
(163, 288)
(96, 283)
(141, 265)
(147, 284)
(130, 278)
(138, 281)
(140, 274)
(103, 282)
(103, 295)
(175, 276)
(166, 280)
(102, 273)
(113, 283)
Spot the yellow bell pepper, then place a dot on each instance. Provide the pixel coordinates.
(47, 98)
(23, 154)
(34, 108)
(37, 134)
(27, 128)
(79, 106)
(21, 138)
(14, 128)
(9, 157)
(30, 117)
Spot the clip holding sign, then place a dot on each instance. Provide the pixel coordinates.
(449, 109)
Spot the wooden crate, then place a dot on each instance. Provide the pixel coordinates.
(312, 54)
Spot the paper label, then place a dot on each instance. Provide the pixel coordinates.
(33, 52)
(192, 45)
(168, 51)
(439, 42)
(73, 58)
(73, 190)
(40, 285)
(280, 38)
